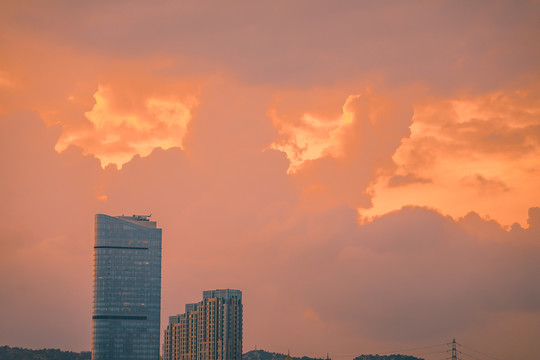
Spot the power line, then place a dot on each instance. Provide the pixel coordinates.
(416, 351)
(413, 349)
(469, 355)
(393, 351)
(481, 353)
(429, 352)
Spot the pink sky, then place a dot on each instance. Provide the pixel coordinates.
(365, 172)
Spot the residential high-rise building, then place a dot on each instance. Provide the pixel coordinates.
(127, 288)
(208, 330)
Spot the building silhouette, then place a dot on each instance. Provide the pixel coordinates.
(208, 330)
(127, 288)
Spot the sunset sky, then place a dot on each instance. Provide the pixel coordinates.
(366, 172)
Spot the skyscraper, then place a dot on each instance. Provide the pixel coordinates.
(127, 288)
(208, 330)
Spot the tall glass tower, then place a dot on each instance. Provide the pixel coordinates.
(127, 288)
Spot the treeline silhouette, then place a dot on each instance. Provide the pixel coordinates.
(265, 355)
(386, 357)
(15, 353)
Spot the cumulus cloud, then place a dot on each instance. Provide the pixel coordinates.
(405, 278)
(483, 148)
(116, 135)
(335, 159)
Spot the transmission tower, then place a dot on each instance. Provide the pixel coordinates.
(454, 350)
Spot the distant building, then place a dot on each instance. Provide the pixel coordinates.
(127, 288)
(208, 330)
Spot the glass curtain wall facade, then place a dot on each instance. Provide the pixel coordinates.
(208, 330)
(127, 288)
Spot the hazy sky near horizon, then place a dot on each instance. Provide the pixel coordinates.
(365, 172)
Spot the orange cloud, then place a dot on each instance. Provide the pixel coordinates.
(246, 228)
(118, 133)
(313, 136)
(478, 153)
(333, 159)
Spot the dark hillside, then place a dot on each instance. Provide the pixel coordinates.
(386, 357)
(15, 353)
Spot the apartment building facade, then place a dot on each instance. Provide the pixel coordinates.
(208, 330)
